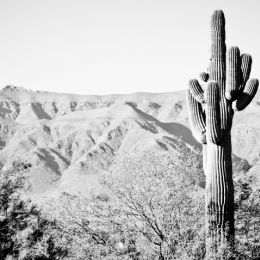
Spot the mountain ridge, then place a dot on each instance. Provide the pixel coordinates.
(70, 138)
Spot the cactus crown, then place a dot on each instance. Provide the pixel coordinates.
(218, 20)
(226, 82)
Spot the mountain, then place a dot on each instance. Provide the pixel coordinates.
(69, 139)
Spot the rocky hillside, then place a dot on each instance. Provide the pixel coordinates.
(69, 138)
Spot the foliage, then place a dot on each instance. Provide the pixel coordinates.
(13, 211)
(159, 194)
(21, 224)
(247, 215)
(151, 208)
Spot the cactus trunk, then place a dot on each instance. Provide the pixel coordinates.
(219, 193)
(211, 115)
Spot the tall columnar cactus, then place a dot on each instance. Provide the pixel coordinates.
(211, 106)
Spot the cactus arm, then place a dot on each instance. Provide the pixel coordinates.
(204, 76)
(233, 75)
(196, 90)
(246, 63)
(197, 120)
(213, 129)
(245, 98)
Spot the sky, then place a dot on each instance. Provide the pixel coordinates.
(117, 46)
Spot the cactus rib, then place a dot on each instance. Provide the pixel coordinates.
(212, 113)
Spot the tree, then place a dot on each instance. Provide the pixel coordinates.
(159, 195)
(13, 213)
(151, 207)
(22, 226)
(247, 212)
(211, 113)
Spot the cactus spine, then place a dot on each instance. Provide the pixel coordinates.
(211, 114)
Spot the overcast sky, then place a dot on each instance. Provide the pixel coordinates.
(117, 46)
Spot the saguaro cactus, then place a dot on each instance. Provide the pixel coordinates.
(211, 106)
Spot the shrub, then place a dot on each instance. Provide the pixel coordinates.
(22, 226)
(151, 208)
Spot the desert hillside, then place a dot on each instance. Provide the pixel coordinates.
(69, 138)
